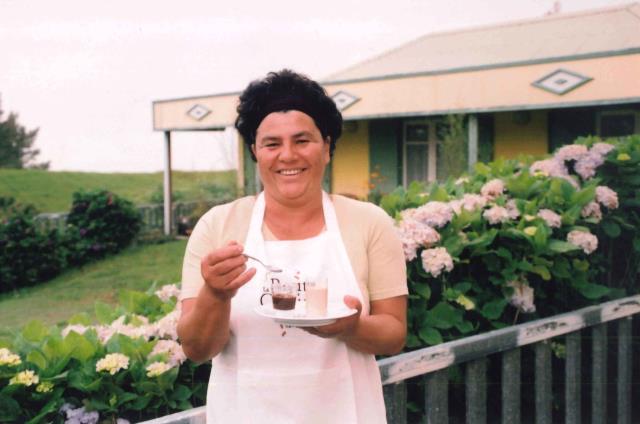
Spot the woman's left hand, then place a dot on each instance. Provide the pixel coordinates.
(343, 328)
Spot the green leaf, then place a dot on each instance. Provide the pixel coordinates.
(412, 341)
(430, 335)
(611, 228)
(443, 316)
(35, 331)
(464, 327)
(560, 246)
(80, 348)
(181, 392)
(493, 310)
(37, 357)
(81, 318)
(104, 313)
(423, 290)
(140, 403)
(542, 271)
(593, 291)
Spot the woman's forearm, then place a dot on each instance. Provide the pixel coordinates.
(380, 334)
(203, 328)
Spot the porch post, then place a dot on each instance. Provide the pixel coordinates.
(473, 142)
(238, 142)
(167, 183)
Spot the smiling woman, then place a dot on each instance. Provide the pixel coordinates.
(325, 373)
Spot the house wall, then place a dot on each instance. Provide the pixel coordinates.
(515, 136)
(350, 163)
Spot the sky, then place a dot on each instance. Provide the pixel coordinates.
(86, 72)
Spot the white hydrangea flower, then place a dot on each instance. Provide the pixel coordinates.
(461, 180)
(492, 189)
(157, 368)
(552, 219)
(419, 232)
(434, 214)
(586, 241)
(496, 215)
(607, 197)
(25, 378)
(9, 358)
(168, 291)
(173, 350)
(119, 327)
(592, 210)
(571, 152)
(167, 326)
(78, 328)
(522, 297)
(436, 260)
(112, 363)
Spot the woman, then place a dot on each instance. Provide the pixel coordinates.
(260, 372)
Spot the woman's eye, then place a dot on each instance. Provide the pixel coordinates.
(302, 141)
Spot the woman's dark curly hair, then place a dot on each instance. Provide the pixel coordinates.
(282, 91)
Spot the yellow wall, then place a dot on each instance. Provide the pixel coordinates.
(513, 138)
(351, 162)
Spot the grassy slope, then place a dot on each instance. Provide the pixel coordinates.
(51, 191)
(77, 290)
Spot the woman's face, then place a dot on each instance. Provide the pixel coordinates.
(291, 156)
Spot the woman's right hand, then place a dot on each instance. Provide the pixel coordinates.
(224, 271)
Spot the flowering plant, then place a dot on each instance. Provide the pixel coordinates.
(515, 240)
(127, 366)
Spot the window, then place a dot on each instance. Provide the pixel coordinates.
(618, 123)
(419, 151)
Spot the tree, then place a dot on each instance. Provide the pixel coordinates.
(16, 145)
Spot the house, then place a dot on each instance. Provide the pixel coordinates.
(523, 87)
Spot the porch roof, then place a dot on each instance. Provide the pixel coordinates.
(483, 69)
(551, 38)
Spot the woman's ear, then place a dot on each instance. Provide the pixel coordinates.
(327, 149)
(253, 149)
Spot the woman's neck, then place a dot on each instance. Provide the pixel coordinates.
(294, 222)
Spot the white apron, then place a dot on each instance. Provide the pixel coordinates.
(276, 375)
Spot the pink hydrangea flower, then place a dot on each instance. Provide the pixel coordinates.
(522, 297)
(512, 209)
(571, 152)
(173, 350)
(436, 260)
(592, 210)
(607, 197)
(496, 215)
(552, 219)
(434, 214)
(492, 189)
(584, 240)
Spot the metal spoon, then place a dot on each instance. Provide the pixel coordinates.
(267, 267)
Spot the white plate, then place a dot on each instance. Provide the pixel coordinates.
(296, 319)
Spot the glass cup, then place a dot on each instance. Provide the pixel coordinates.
(283, 289)
(316, 296)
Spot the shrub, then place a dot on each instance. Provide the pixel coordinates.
(128, 365)
(518, 239)
(98, 224)
(28, 255)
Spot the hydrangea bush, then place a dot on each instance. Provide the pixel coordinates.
(126, 367)
(520, 239)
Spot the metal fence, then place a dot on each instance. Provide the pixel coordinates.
(585, 396)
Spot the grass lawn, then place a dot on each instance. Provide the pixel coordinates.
(75, 291)
(51, 191)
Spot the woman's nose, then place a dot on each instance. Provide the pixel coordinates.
(288, 151)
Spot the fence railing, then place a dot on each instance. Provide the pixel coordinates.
(152, 215)
(427, 371)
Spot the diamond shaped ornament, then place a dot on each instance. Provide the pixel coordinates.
(198, 112)
(344, 99)
(561, 81)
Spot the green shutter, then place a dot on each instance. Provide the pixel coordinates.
(384, 153)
